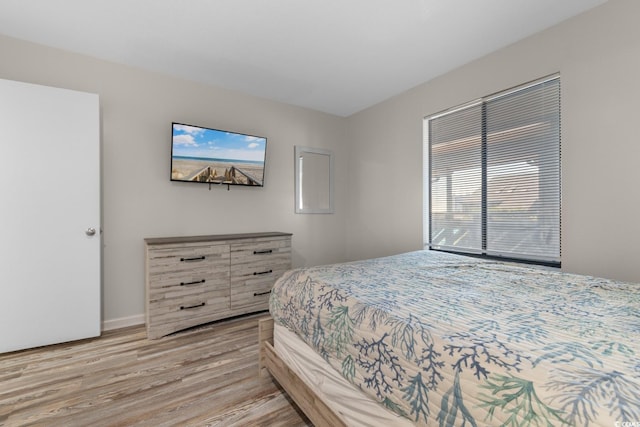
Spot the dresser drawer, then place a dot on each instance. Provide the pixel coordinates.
(188, 310)
(261, 252)
(184, 283)
(162, 261)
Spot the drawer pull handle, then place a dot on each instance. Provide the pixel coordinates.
(266, 251)
(195, 282)
(198, 258)
(256, 294)
(255, 273)
(187, 307)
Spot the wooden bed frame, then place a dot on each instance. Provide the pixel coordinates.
(304, 396)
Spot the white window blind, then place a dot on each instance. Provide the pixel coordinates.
(493, 175)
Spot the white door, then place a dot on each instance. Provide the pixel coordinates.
(50, 205)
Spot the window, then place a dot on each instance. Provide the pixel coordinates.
(492, 175)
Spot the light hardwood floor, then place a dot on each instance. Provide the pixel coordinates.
(207, 376)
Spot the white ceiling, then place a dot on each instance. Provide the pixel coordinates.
(337, 56)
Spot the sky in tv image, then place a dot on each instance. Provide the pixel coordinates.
(197, 142)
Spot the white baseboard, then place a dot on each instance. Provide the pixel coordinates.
(123, 322)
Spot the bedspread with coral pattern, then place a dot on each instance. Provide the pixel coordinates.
(458, 341)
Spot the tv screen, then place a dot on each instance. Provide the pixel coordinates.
(213, 156)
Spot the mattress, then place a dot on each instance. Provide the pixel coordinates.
(354, 407)
(442, 339)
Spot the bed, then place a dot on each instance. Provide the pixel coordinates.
(432, 338)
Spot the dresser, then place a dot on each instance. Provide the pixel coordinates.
(198, 279)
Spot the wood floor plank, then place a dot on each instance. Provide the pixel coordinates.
(207, 376)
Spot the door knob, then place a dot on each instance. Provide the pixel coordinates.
(90, 231)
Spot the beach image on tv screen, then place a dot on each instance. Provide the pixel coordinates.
(216, 156)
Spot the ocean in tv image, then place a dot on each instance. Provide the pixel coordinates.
(214, 156)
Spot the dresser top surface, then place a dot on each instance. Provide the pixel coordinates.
(212, 238)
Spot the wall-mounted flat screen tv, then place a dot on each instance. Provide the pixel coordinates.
(213, 156)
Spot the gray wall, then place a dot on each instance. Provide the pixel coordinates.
(597, 54)
(139, 200)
